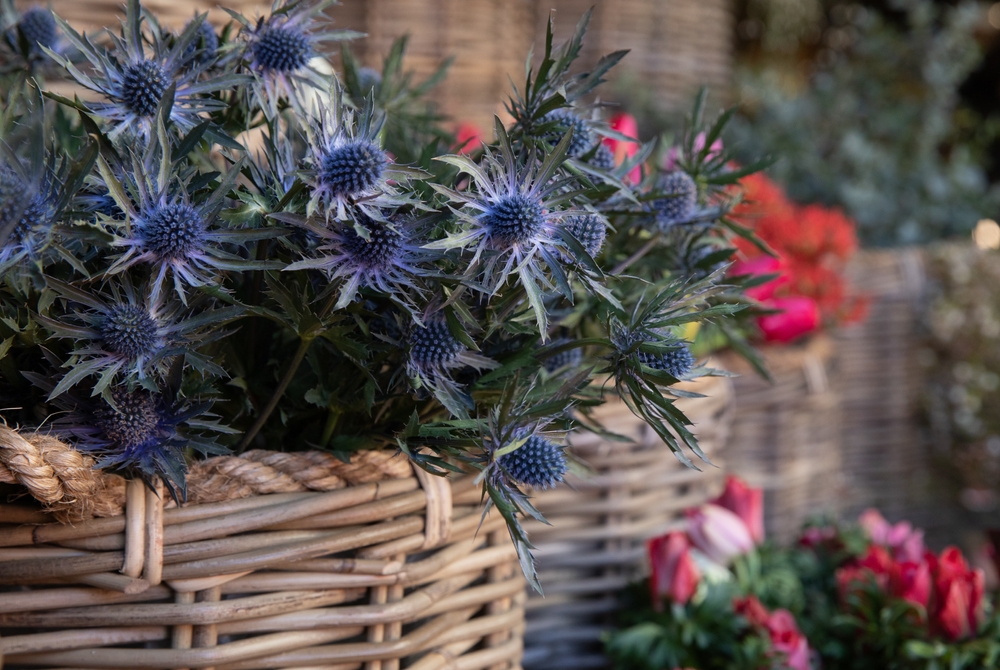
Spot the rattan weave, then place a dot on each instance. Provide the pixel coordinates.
(596, 543)
(786, 434)
(389, 569)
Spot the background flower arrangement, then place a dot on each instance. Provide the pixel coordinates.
(868, 595)
(342, 282)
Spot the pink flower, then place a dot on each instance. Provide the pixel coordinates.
(745, 502)
(718, 533)
(752, 610)
(674, 574)
(674, 155)
(762, 265)
(798, 316)
(788, 640)
(468, 137)
(626, 125)
(907, 544)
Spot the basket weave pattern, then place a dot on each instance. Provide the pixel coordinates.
(596, 543)
(384, 568)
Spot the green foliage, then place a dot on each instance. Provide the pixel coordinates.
(877, 130)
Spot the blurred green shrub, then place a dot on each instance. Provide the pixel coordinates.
(876, 126)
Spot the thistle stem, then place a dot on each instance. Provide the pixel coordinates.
(331, 425)
(639, 253)
(293, 367)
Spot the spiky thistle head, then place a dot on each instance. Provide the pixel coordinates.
(352, 169)
(583, 139)
(537, 463)
(27, 213)
(676, 361)
(135, 74)
(38, 27)
(604, 158)
(590, 230)
(205, 46)
(129, 330)
(681, 199)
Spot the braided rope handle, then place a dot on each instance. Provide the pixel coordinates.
(65, 482)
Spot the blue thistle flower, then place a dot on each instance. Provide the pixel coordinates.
(369, 80)
(38, 27)
(205, 46)
(676, 362)
(27, 213)
(570, 358)
(604, 158)
(135, 74)
(590, 230)
(138, 431)
(681, 202)
(122, 335)
(279, 49)
(583, 139)
(371, 254)
(347, 168)
(434, 354)
(511, 224)
(537, 463)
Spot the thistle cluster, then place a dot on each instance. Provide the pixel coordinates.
(345, 283)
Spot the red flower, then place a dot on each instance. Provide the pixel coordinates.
(958, 594)
(674, 574)
(788, 640)
(906, 543)
(752, 610)
(626, 125)
(912, 581)
(745, 502)
(762, 265)
(468, 137)
(798, 316)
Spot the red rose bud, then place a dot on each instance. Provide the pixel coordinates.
(958, 594)
(626, 125)
(674, 575)
(912, 582)
(718, 533)
(952, 616)
(745, 502)
(798, 316)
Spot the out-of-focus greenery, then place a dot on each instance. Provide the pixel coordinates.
(873, 123)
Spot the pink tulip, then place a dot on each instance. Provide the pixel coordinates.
(628, 126)
(745, 502)
(907, 544)
(674, 575)
(798, 316)
(718, 533)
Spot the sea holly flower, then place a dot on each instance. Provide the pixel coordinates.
(27, 213)
(279, 48)
(171, 233)
(590, 230)
(512, 222)
(122, 337)
(141, 432)
(535, 462)
(680, 201)
(205, 46)
(435, 353)
(346, 167)
(370, 254)
(564, 120)
(141, 72)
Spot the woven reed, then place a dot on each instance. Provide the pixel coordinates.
(674, 47)
(878, 360)
(596, 543)
(787, 434)
(383, 567)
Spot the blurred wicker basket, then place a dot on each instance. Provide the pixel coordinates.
(786, 434)
(596, 543)
(674, 47)
(882, 381)
(381, 568)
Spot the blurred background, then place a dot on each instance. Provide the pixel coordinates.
(887, 111)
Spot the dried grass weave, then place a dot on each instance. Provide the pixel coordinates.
(280, 561)
(600, 523)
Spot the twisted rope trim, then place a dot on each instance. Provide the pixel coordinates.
(65, 482)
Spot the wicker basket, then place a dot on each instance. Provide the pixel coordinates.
(596, 543)
(882, 378)
(786, 434)
(387, 569)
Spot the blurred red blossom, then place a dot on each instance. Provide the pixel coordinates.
(674, 575)
(626, 125)
(745, 502)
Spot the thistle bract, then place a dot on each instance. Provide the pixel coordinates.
(676, 362)
(379, 252)
(513, 219)
(583, 136)
(537, 463)
(682, 200)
